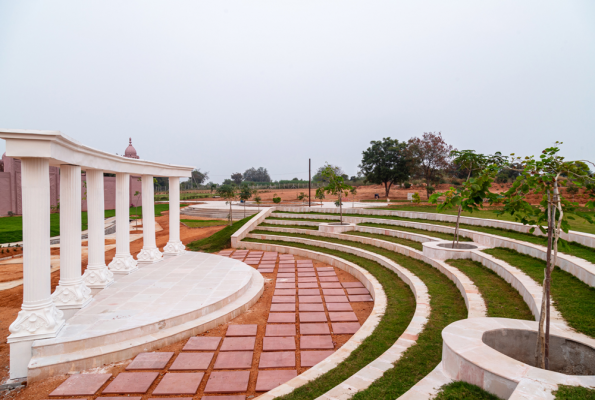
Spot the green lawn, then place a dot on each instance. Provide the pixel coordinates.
(447, 306)
(565, 392)
(11, 228)
(463, 391)
(399, 311)
(197, 223)
(219, 240)
(574, 299)
(502, 300)
(313, 228)
(405, 242)
(439, 235)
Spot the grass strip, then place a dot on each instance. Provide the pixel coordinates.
(299, 219)
(405, 242)
(198, 223)
(566, 392)
(502, 300)
(313, 228)
(463, 391)
(447, 306)
(574, 299)
(219, 240)
(439, 235)
(573, 248)
(399, 311)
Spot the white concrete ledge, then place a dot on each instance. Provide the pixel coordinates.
(250, 225)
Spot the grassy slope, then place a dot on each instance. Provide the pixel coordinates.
(405, 242)
(447, 306)
(565, 392)
(574, 299)
(502, 300)
(219, 240)
(198, 223)
(439, 235)
(463, 391)
(399, 311)
(314, 228)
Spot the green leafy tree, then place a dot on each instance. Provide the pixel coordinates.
(229, 193)
(544, 176)
(386, 163)
(353, 192)
(257, 199)
(336, 186)
(430, 155)
(245, 194)
(320, 195)
(302, 196)
(237, 178)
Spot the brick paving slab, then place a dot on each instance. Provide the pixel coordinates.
(330, 285)
(134, 398)
(306, 274)
(325, 269)
(285, 280)
(314, 329)
(357, 291)
(268, 380)
(227, 382)
(305, 270)
(242, 330)
(281, 318)
(280, 330)
(342, 316)
(316, 342)
(352, 284)
(285, 285)
(277, 359)
(311, 358)
(310, 299)
(309, 292)
(338, 307)
(278, 343)
(287, 271)
(282, 307)
(266, 271)
(305, 261)
(179, 383)
(203, 343)
(131, 382)
(234, 360)
(312, 317)
(284, 292)
(191, 361)
(239, 397)
(157, 360)
(336, 299)
(238, 344)
(307, 285)
(345, 328)
(329, 279)
(307, 280)
(285, 275)
(81, 385)
(283, 299)
(333, 292)
(360, 297)
(312, 307)
(326, 274)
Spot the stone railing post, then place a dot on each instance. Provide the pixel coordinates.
(123, 263)
(150, 253)
(39, 317)
(97, 276)
(71, 294)
(174, 246)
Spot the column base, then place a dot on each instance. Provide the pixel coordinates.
(174, 249)
(149, 256)
(123, 265)
(40, 321)
(98, 277)
(72, 295)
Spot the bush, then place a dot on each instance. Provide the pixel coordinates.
(407, 185)
(416, 198)
(430, 189)
(276, 200)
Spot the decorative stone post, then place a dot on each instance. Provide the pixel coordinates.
(150, 253)
(174, 246)
(123, 263)
(71, 294)
(39, 317)
(97, 276)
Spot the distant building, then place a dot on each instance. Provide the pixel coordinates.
(10, 185)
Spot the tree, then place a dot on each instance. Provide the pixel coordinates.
(302, 196)
(236, 178)
(320, 195)
(386, 163)
(336, 186)
(229, 193)
(319, 177)
(353, 192)
(257, 199)
(198, 177)
(212, 186)
(245, 194)
(257, 175)
(544, 176)
(430, 156)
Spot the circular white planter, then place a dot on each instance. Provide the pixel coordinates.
(443, 250)
(336, 227)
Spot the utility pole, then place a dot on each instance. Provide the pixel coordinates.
(309, 180)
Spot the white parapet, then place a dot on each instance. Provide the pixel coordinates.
(336, 227)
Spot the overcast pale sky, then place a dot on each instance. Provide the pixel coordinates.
(228, 85)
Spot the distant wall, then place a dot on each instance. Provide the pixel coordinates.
(11, 197)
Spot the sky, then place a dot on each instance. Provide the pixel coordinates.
(228, 85)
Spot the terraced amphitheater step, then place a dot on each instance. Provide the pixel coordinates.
(217, 213)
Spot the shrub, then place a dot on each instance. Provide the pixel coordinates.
(416, 198)
(407, 185)
(430, 189)
(276, 200)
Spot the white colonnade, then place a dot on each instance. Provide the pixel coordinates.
(43, 314)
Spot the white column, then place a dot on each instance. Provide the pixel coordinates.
(123, 263)
(39, 318)
(150, 253)
(97, 276)
(174, 246)
(71, 294)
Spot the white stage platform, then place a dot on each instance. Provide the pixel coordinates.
(157, 305)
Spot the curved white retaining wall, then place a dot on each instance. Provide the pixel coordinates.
(250, 225)
(475, 304)
(585, 239)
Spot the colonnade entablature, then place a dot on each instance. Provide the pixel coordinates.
(43, 313)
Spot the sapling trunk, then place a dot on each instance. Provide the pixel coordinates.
(341, 209)
(456, 237)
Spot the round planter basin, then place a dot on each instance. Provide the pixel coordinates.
(443, 250)
(336, 227)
